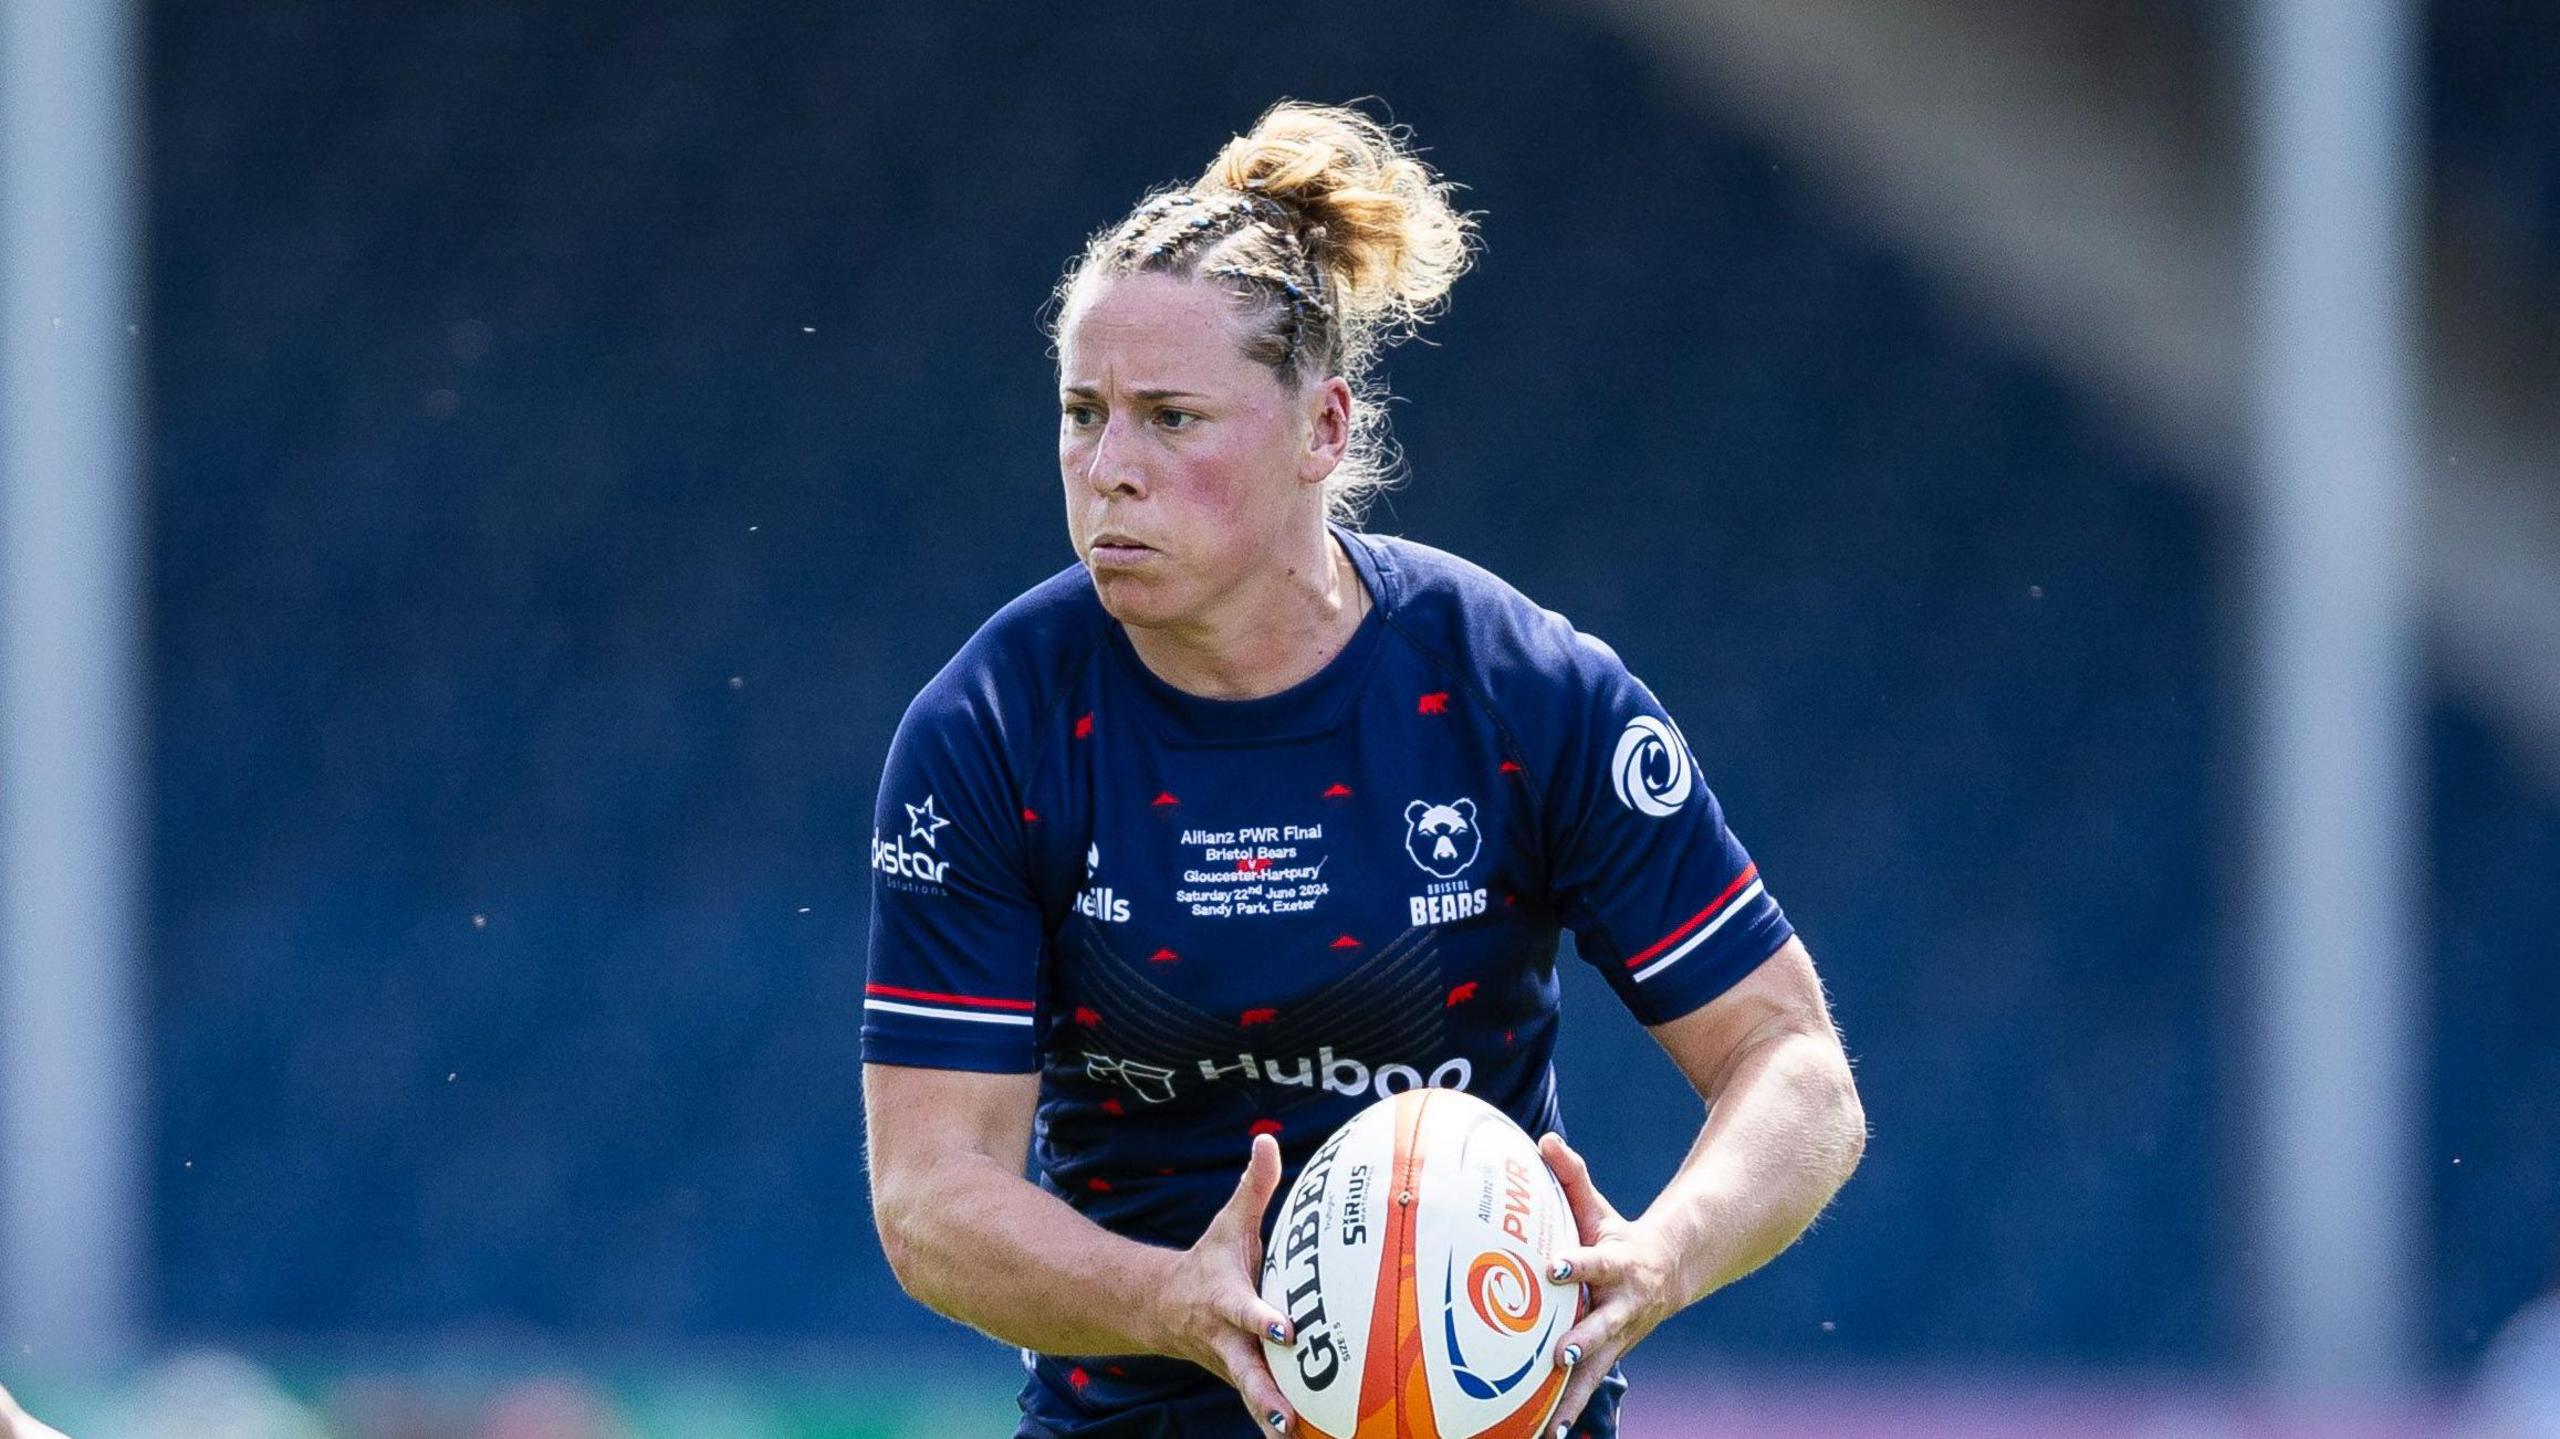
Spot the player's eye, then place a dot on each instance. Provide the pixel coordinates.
(1176, 419)
(1083, 417)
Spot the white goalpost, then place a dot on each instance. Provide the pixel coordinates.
(2338, 847)
(72, 612)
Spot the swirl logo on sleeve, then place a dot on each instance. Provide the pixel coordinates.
(1651, 769)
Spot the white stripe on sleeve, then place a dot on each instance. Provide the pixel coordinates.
(931, 1012)
(1741, 902)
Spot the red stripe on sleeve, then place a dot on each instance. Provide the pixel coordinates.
(894, 992)
(1740, 882)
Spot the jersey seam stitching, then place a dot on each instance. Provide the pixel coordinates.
(1511, 738)
(1537, 790)
(1047, 732)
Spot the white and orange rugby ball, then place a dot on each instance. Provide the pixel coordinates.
(1411, 1258)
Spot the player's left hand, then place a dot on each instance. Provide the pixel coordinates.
(1630, 1272)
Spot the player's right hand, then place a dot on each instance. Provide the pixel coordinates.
(1212, 1308)
(17, 1423)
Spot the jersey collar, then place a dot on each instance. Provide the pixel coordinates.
(1313, 706)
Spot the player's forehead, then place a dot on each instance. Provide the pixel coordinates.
(1152, 333)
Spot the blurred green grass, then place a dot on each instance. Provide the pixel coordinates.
(939, 1393)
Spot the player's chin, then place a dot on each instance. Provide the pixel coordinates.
(1135, 597)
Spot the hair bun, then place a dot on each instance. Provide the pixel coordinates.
(1375, 220)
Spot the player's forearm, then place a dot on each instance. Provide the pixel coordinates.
(1784, 1134)
(998, 1253)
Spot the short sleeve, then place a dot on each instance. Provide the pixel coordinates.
(1660, 895)
(956, 929)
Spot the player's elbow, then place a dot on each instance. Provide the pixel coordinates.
(904, 1242)
(910, 1260)
(1822, 1093)
(899, 1251)
(1854, 1121)
(1847, 1114)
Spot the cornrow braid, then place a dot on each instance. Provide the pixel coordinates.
(1309, 312)
(1247, 236)
(1165, 229)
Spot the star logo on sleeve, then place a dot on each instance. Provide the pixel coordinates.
(922, 822)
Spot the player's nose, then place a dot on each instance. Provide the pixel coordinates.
(1112, 466)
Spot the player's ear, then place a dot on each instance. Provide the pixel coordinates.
(1328, 429)
(1414, 812)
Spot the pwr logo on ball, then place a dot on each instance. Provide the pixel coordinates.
(1499, 1286)
(1429, 1190)
(1507, 1299)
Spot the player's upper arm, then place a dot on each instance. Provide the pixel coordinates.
(957, 929)
(1781, 997)
(952, 1001)
(1661, 896)
(922, 1122)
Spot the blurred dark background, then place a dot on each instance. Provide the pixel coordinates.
(578, 430)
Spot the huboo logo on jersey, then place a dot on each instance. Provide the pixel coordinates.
(1338, 1073)
(1099, 902)
(1651, 769)
(917, 868)
(1444, 839)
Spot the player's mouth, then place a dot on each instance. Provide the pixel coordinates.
(1116, 549)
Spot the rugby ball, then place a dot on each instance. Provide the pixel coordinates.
(1411, 1258)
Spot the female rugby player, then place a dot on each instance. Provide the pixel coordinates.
(1248, 819)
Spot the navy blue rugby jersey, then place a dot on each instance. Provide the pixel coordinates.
(1199, 920)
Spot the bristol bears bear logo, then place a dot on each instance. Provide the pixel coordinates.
(1442, 838)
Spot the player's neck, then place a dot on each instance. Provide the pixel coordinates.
(1268, 634)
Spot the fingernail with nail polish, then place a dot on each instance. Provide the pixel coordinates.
(1278, 1331)
(1572, 1355)
(1279, 1422)
(1563, 1270)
